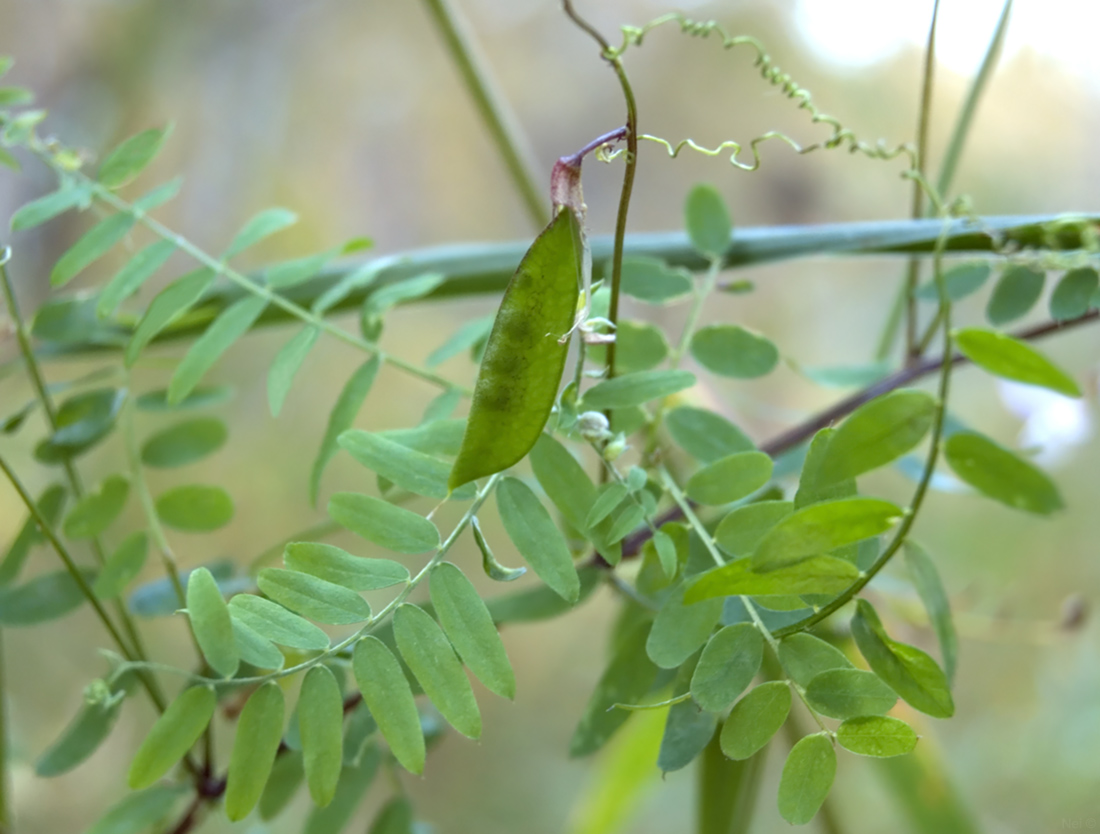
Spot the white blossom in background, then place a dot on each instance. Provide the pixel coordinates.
(1053, 424)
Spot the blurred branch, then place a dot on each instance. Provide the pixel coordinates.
(493, 109)
(486, 268)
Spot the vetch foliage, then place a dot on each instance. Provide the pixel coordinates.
(729, 559)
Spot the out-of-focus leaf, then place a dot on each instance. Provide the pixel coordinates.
(260, 226)
(1017, 291)
(128, 280)
(184, 443)
(49, 505)
(195, 508)
(170, 303)
(88, 729)
(1073, 295)
(730, 478)
(1001, 475)
(129, 159)
(172, 735)
(1010, 358)
(704, 435)
(259, 731)
(653, 281)
(926, 579)
(49, 596)
(50, 206)
(733, 351)
(94, 244)
(341, 417)
(961, 281)
(635, 389)
(286, 364)
(137, 812)
(707, 221)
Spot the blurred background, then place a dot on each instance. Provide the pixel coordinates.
(351, 114)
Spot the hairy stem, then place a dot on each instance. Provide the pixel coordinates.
(492, 107)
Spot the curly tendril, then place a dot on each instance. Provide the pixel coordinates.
(841, 136)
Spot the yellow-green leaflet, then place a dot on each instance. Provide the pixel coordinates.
(524, 356)
(172, 736)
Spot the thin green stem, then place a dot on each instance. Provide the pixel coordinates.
(220, 267)
(148, 508)
(5, 742)
(917, 206)
(630, 169)
(492, 107)
(42, 394)
(373, 623)
(946, 362)
(961, 130)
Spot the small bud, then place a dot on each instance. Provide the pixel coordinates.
(97, 692)
(615, 447)
(593, 426)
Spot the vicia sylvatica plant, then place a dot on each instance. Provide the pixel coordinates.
(739, 567)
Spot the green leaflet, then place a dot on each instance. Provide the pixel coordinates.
(286, 274)
(807, 776)
(330, 563)
(170, 303)
(382, 299)
(128, 280)
(48, 596)
(88, 729)
(627, 679)
(442, 437)
(815, 575)
(158, 597)
(639, 346)
(83, 420)
(960, 281)
(680, 629)
(847, 376)
(635, 389)
(1010, 358)
(202, 397)
(1072, 296)
(468, 625)
(433, 662)
(755, 719)
(396, 817)
(341, 417)
(629, 517)
(877, 433)
(93, 245)
(137, 812)
(707, 221)
(653, 281)
(285, 779)
(354, 781)
(906, 669)
(195, 508)
(876, 735)
(317, 599)
(611, 495)
(1016, 292)
(184, 443)
(727, 666)
(525, 355)
(388, 696)
(286, 365)
(537, 538)
(704, 435)
(50, 206)
(822, 527)
(278, 625)
(358, 736)
(96, 511)
(926, 579)
(741, 532)
(442, 406)
(568, 486)
(230, 325)
(210, 622)
(260, 226)
(378, 521)
(813, 486)
(321, 726)
(730, 478)
(804, 657)
(688, 729)
(259, 732)
(254, 648)
(733, 351)
(411, 470)
(49, 504)
(468, 335)
(172, 735)
(667, 553)
(846, 693)
(129, 159)
(1001, 475)
(493, 569)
